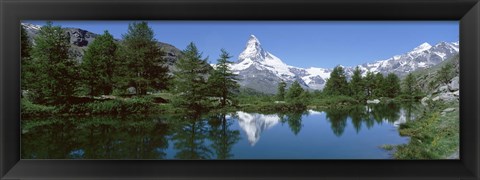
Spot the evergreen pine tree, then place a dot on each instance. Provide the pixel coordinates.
(190, 84)
(98, 65)
(55, 75)
(281, 90)
(379, 85)
(337, 84)
(409, 88)
(369, 83)
(223, 82)
(143, 62)
(294, 91)
(446, 73)
(27, 71)
(357, 84)
(392, 85)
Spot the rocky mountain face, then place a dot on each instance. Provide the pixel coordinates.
(261, 70)
(80, 39)
(427, 81)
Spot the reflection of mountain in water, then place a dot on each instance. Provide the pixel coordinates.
(254, 124)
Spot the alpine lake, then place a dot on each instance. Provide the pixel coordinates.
(356, 132)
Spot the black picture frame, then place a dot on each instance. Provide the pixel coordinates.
(13, 11)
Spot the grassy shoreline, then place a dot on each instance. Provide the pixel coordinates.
(433, 135)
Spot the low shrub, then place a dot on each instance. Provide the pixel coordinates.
(29, 109)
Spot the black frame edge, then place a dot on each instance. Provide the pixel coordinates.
(470, 50)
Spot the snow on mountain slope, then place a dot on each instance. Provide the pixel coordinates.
(421, 57)
(255, 55)
(261, 70)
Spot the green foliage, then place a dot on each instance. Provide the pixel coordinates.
(369, 84)
(29, 109)
(55, 73)
(333, 101)
(410, 89)
(446, 73)
(116, 106)
(357, 85)
(223, 83)
(281, 90)
(379, 86)
(392, 85)
(190, 84)
(27, 71)
(294, 91)
(432, 136)
(98, 65)
(337, 84)
(142, 64)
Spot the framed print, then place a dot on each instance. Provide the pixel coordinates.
(214, 89)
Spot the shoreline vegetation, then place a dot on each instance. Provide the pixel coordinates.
(131, 77)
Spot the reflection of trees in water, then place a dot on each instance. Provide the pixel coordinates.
(205, 138)
(222, 137)
(190, 138)
(130, 137)
(411, 110)
(338, 120)
(358, 114)
(95, 138)
(389, 112)
(293, 119)
(368, 115)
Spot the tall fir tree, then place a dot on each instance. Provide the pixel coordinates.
(281, 90)
(379, 85)
(294, 92)
(446, 73)
(190, 84)
(337, 83)
(357, 88)
(409, 87)
(392, 85)
(369, 83)
(55, 77)
(26, 70)
(223, 82)
(98, 65)
(144, 66)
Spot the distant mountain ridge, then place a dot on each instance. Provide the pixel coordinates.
(261, 70)
(80, 39)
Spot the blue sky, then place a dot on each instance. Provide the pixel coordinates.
(298, 43)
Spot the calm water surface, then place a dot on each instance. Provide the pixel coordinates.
(354, 133)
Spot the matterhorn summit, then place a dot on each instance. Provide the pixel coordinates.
(260, 70)
(253, 50)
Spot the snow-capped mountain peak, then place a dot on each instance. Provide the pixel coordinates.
(253, 50)
(423, 47)
(254, 56)
(32, 27)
